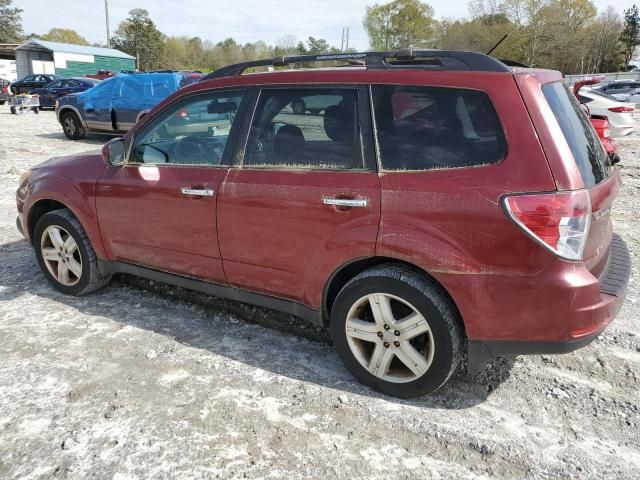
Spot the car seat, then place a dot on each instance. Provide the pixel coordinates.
(289, 145)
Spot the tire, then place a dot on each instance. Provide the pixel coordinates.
(298, 107)
(13, 110)
(36, 110)
(2, 102)
(72, 126)
(89, 278)
(438, 350)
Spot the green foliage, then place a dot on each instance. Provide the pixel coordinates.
(318, 45)
(64, 35)
(566, 35)
(10, 23)
(630, 36)
(398, 24)
(138, 36)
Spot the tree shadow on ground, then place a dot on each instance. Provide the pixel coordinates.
(172, 315)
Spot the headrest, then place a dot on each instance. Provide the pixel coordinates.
(338, 123)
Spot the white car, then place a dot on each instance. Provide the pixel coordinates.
(620, 114)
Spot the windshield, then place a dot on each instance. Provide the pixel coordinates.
(588, 152)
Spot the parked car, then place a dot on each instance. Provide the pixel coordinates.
(632, 96)
(619, 114)
(4, 91)
(50, 94)
(603, 130)
(617, 86)
(434, 206)
(600, 122)
(30, 82)
(117, 103)
(102, 74)
(314, 105)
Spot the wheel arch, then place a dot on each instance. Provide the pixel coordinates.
(70, 108)
(40, 208)
(346, 272)
(72, 201)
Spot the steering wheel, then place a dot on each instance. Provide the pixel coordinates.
(194, 150)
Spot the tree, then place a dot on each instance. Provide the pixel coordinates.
(398, 24)
(64, 35)
(287, 45)
(138, 36)
(630, 36)
(10, 23)
(318, 45)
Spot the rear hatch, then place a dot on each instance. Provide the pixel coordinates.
(600, 179)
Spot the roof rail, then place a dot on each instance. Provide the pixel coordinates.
(406, 58)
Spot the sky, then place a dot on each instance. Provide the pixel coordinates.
(244, 20)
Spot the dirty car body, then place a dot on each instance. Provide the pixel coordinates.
(428, 208)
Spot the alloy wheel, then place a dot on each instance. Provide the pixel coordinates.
(69, 125)
(61, 255)
(390, 338)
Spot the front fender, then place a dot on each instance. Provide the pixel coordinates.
(80, 200)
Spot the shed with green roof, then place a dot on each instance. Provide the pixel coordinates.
(69, 60)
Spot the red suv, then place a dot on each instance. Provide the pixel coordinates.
(432, 202)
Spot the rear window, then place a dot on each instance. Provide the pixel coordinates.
(583, 141)
(425, 128)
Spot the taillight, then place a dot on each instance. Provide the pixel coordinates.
(558, 221)
(623, 109)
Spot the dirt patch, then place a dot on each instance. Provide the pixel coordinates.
(144, 381)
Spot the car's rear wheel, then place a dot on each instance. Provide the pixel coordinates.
(2, 102)
(65, 254)
(72, 126)
(396, 331)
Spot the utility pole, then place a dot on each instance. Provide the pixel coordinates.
(347, 39)
(342, 43)
(106, 14)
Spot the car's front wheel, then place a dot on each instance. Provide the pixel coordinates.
(396, 331)
(72, 126)
(65, 254)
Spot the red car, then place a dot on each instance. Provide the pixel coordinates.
(600, 122)
(102, 74)
(439, 202)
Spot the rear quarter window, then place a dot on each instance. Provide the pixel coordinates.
(426, 128)
(582, 139)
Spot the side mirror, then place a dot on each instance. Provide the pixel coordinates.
(114, 152)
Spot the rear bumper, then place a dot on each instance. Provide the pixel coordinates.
(584, 320)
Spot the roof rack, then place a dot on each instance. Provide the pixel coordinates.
(406, 58)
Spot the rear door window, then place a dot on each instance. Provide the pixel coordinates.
(582, 139)
(315, 128)
(425, 128)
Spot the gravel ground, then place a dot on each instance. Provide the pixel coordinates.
(144, 381)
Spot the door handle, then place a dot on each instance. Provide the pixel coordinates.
(346, 202)
(196, 192)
